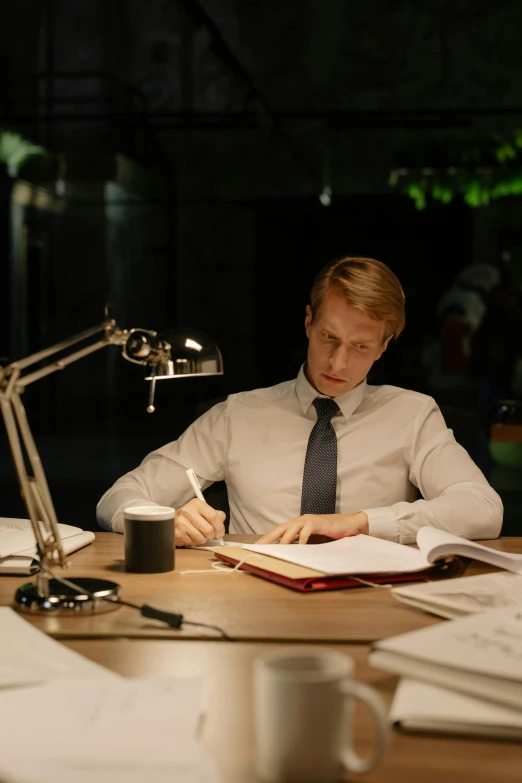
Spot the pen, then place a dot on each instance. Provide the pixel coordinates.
(197, 490)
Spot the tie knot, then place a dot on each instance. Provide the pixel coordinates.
(326, 408)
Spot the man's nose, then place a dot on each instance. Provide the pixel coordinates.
(340, 358)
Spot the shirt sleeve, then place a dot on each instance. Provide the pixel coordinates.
(161, 480)
(457, 496)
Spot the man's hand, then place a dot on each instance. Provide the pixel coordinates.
(332, 525)
(196, 522)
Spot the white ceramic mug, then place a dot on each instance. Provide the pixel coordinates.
(303, 712)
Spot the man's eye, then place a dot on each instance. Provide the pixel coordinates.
(362, 347)
(329, 336)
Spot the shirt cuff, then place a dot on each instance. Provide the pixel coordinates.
(382, 523)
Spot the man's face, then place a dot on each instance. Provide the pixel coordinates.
(343, 343)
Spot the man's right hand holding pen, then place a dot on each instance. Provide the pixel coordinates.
(197, 522)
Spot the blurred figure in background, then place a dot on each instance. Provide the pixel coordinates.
(460, 312)
(452, 373)
(496, 356)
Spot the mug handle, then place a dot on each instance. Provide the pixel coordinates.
(349, 758)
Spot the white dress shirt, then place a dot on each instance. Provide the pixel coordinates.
(391, 441)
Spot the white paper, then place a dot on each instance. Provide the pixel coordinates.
(213, 543)
(98, 707)
(189, 766)
(368, 555)
(354, 555)
(435, 543)
(122, 730)
(479, 655)
(424, 706)
(489, 643)
(30, 656)
(467, 595)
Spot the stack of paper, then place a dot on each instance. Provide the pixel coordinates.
(17, 544)
(471, 594)
(472, 667)
(418, 706)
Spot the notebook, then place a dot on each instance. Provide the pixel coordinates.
(17, 544)
(479, 655)
(421, 707)
(469, 595)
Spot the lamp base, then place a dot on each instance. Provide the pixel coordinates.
(64, 600)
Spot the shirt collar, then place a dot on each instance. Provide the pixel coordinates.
(348, 402)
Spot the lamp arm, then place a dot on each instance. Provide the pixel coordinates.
(21, 471)
(61, 364)
(34, 488)
(113, 335)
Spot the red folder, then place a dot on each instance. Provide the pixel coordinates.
(312, 584)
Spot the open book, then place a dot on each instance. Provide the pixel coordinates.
(479, 655)
(368, 555)
(17, 544)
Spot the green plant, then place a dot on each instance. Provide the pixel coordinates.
(14, 150)
(479, 173)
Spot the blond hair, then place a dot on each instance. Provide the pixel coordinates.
(364, 283)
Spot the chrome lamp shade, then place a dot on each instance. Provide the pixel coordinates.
(191, 353)
(176, 353)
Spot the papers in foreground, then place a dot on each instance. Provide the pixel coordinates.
(479, 655)
(419, 706)
(84, 723)
(452, 598)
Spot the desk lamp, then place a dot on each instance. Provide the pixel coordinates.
(176, 353)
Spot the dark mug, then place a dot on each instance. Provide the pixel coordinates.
(149, 539)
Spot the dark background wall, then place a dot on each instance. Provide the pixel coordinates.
(188, 143)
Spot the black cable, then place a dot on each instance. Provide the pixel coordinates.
(223, 633)
(173, 619)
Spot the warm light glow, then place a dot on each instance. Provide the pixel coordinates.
(325, 197)
(193, 344)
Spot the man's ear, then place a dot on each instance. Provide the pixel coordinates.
(308, 320)
(384, 346)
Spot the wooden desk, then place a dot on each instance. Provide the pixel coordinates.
(246, 607)
(228, 732)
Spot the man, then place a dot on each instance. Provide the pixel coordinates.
(324, 453)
